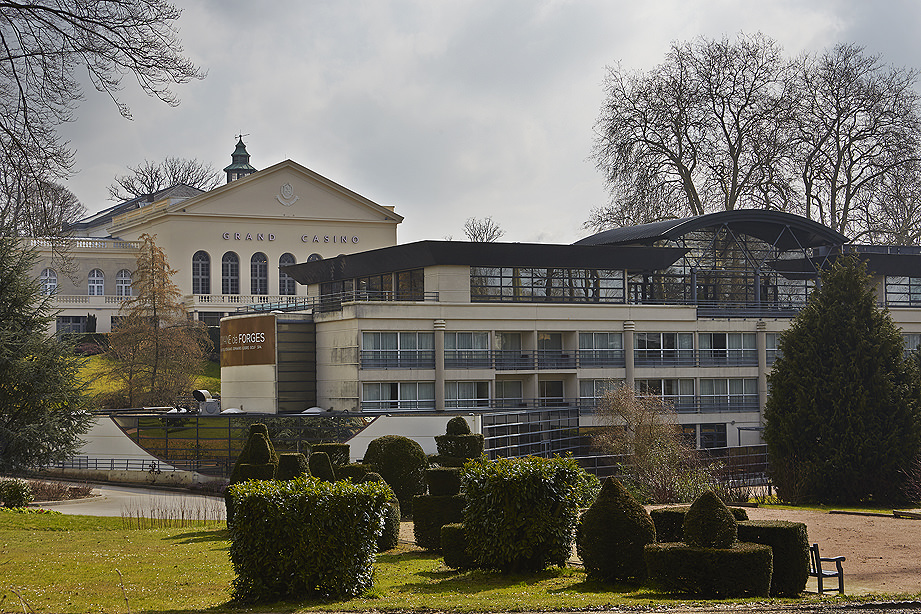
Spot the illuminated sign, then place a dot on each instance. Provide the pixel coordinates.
(248, 341)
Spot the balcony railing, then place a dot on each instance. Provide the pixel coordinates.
(397, 359)
(84, 300)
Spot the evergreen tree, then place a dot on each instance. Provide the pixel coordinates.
(842, 419)
(155, 348)
(42, 407)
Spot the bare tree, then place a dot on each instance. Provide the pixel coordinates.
(43, 43)
(38, 209)
(482, 230)
(705, 130)
(859, 128)
(151, 177)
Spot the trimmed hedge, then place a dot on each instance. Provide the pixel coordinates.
(338, 452)
(709, 523)
(401, 462)
(611, 535)
(355, 471)
(669, 521)
(470, 445)
(258, 449)
(457, 425)
(303, 536)
(443, 481)
(430, 513)
(454, 547)
(15, 492)
(321, 467)
(741, 571)
(790, 545)
(522, 510)
(291, 465)
(391, 535)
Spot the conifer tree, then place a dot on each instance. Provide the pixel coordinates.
(42, 407)
(842, 418)
(155, 347)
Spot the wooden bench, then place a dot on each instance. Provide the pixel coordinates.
(815, 564)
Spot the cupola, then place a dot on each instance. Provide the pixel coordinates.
(239, 166)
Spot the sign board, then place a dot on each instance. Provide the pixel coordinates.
(248, 341)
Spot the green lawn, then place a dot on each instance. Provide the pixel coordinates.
(95, 375)
(67, 564)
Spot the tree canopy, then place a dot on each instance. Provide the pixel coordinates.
(727, 124)
(482, 230)
(44, 43)
(155, 347)
(151, 177)
(842, 418)
(43, 411)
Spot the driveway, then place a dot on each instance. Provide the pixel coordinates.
(114, 500)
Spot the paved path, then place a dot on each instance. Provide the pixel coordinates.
(114, 500)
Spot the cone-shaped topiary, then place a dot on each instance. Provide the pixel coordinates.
(257, 450)
(321, 467)
(612, 533)
(709, 523)
(457, 426)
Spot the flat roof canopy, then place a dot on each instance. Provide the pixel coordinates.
(431, 253)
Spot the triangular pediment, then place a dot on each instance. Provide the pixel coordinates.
(285, 191)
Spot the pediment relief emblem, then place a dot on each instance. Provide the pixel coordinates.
(286, 195)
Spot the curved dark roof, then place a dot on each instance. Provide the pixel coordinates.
(761, 223)
(428, 253)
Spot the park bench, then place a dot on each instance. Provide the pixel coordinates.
(815, 564)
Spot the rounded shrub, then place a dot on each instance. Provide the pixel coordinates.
(669, 521)
(321, 467)
(612, 533)
(291, 465)
(743, 570)
(355, 471)
(457, 426)
(15, 492)
(709, 523)
(401, 462)
(790, 545)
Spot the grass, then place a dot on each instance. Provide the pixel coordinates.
(65, 564)
(95, 373)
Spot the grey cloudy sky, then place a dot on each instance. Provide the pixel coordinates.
(442, 109)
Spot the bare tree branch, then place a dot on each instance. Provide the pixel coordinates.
(484, 230)
(151, 177)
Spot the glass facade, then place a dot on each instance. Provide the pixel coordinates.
(507, 284)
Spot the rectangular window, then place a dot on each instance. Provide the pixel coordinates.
(729, 394)
(551, 392)
(464, 395)
(591, 391)
(411, 285)
(467, 350)
(71, 324)
(398, 395)
(770, 344)
(397, 350)
(903, 291)
(554, 285)
(713, 436)
(601, 350)
(508, 393)
(728, 349)
(663, 349)
(679, 393)
(375, 287)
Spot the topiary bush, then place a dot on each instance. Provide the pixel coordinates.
(454, 547)
(291, 465)
(669, 521)
(612, 533)
(338, 452)
(390, 537)
(354, 471)
(15, 492)
(458, 444)
(709, 523)
(741, 571)
(457, 425)
(301, 537)
(790, 546)
(430, 513)
(443, 481)
(257, 461)
(522, 511)
(321, 468)
(401, 462)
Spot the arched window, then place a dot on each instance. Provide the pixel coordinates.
(286, 285)
(201, 273)
(49, 281)
(123, 283)
(97, 283)
(230, 274)
(259, 274)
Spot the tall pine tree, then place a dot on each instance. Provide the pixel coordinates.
(43, 411)
(842, 418)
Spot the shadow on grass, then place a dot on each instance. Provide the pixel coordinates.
(198, 537)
